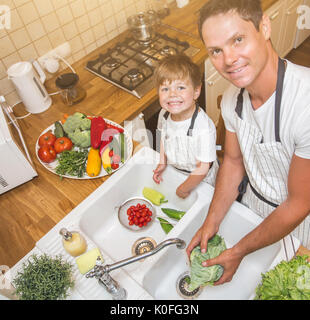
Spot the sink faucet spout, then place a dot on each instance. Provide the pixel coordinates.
(101, 272)
(180, 244)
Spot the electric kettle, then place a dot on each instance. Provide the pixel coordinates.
(29, 85)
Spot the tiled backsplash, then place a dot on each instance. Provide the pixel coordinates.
(37, 26)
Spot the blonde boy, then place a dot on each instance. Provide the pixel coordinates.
(188, 135)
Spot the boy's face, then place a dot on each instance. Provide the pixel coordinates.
(237, 50)
(178, 97)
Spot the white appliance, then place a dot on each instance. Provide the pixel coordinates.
(16, 166)
(29, 86)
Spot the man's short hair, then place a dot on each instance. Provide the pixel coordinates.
(249, 10)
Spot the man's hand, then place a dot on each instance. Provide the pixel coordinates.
(229, 260)
(201, 237)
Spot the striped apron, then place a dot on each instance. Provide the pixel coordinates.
(267, 165)
(168, 143)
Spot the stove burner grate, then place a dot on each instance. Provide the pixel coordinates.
(131, 63)
(168, 51)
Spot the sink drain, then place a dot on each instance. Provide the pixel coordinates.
(182, 287)
(143, 245)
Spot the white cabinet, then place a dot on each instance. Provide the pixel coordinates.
(289, 28)
(303, 32)
(275, 14)
(283, 16)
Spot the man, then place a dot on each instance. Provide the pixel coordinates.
(267, 118)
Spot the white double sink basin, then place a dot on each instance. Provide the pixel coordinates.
(156, 277)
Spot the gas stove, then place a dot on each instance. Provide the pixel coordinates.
(130, 64)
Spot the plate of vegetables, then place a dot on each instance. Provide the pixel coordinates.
(83, 147)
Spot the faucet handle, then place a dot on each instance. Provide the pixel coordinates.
(97, 270)
(99, 262)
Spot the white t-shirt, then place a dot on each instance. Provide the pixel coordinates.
(294, 114)
(184, 151)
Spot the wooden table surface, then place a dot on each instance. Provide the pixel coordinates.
(32, 209)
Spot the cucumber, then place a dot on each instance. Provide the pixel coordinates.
(123, 147)
(59, 131)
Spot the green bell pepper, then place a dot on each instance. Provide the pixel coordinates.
(166, 226)
(172, 213)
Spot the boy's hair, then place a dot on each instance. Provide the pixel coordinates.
(177, 67)
(249, 10)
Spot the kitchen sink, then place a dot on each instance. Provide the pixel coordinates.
(99, 220)
(155, 277)
(161, 280)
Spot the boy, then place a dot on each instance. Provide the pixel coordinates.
(188, 137)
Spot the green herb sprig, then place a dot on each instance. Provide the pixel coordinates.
(72, 163)
(44, 278)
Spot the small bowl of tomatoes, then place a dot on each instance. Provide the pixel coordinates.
(136, 214)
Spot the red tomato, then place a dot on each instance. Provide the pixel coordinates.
(62, 144)
(47, 153)
(48, 138)
(117, 159)
(139, 215)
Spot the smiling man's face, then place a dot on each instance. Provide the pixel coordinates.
(237, 50)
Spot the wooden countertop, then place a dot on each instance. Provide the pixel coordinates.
(32, 209)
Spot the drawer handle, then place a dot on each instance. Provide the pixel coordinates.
(274, 15)
(210, 83)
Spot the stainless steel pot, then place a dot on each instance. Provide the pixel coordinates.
(142, 25)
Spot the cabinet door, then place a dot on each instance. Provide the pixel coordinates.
(289, 28)
(215, 86)
(275, 14)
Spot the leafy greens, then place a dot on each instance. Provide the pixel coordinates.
(200, 275)
(286, 281)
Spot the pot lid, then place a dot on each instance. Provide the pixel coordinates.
(67, 80)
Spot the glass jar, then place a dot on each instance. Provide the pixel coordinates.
(71, 92)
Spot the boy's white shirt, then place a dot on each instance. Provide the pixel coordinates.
(184, 151)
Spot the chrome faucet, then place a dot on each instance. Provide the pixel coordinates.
(101, 272)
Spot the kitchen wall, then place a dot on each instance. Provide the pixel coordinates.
(37, 26)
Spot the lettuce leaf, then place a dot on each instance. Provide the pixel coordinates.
(286, 281)
(200, 275)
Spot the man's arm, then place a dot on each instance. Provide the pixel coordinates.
(284, 219)
(228, 179)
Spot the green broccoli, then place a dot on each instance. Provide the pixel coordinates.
(80, 138)
(77, 128)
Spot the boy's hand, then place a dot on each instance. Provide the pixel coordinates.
(182, 192)
(157, 176)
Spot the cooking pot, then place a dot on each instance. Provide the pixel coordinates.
(142, 25)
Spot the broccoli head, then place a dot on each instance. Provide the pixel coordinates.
(80, 138)
(77, 127)
(76, 121)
